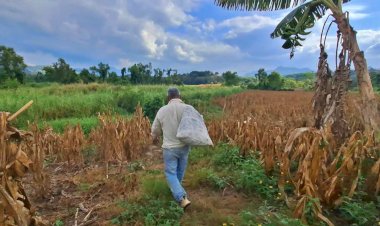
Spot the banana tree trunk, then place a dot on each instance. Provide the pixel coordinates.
(369, 110)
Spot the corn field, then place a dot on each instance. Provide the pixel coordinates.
(275, 125)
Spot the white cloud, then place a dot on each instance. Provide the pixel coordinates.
(356, 11)
(368, 37)
(246, 24)
(209, 25)
(168, 33)
(197, 52)
(38, 58)
(124, 62)
(154, 40)
(187, 55)
(312, 43)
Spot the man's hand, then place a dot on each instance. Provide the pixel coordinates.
(156, 140)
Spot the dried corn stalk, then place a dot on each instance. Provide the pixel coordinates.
(37, 153)
(120, 139)
(72, 143)
(14, 204)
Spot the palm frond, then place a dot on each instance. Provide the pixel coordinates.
(259, 5)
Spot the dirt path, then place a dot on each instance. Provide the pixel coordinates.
(86, 195)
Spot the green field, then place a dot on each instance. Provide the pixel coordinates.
(60, 105)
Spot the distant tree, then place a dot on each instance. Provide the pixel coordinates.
(157, 76)
(176, 79)
(201, 77)
(140, 73)
(102, 70)
(290, 84)
(123, 72)
(375, 77)
(230, 78)
(11, 65)
(275, 82)
(86, 76)
(60, 72)
(262, 78)
(113, 78)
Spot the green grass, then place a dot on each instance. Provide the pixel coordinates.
(60, 105)
(59, 125)
(156, 187)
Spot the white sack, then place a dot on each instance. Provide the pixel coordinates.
(192, 129)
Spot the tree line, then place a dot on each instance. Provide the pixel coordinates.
(12, 70)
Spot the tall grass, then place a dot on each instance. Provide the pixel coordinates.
(69, 104)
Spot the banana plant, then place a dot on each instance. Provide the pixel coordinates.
(293, 29)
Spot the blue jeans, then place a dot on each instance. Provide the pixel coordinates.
(175, 160)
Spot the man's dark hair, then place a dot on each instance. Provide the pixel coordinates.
(173, 93)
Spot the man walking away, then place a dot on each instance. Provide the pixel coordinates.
(175, 152)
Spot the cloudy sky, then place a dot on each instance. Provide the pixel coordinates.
(183, 34)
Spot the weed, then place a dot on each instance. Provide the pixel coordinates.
(153, 171)
(252, 178)
(58, 222)
(135, 166)
(358, 212)
(267, 215)
(247, 174)
(216, 181)
(149, 211)
(84, 187)
(227, 156)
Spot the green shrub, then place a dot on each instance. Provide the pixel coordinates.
(9, 84)
(252, 86)
(130, 99)
(152, 106)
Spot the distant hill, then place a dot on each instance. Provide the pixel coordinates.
(302, 76)
(284, 71)
(32, 70)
